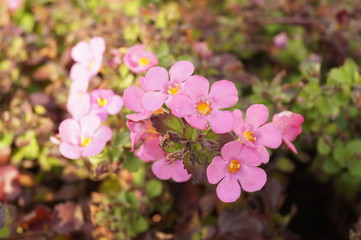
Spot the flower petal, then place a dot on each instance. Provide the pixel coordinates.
(162, 169)
(93, 149)
(216, 170)
(156, 78)
(89, 124)
(256, 115)
(78, 104)
(103, 134)
(197, 122)
(132, 98)
(79, 72)
(231, 150)
(114, 105)
(70, 151)
(150, 151)
(139, 116)
(152, 101)
(180, 71)
(81, 52)
(97, 46)
(179, 173)
(252, 178)
(250, 157)
(69, 131)
(264, 153)
(196, 87)
(270, 136)
(238, 126)
(182, 105)
(221, 121)
(224, 94)
(229, 190)
(290, 145)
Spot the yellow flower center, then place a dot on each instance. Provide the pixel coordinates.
(234, 166)
(204, 108)
(102, 102)
(249, 136)
(143, 61)
(173, 90)
(85, 141)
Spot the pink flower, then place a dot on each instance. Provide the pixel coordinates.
(88, 57)
(202, 49)
(280, 40)
(132, 98)
(9, 182)
(78, 104)
(139, 60)
(289, 124)
(161, 87)
(198, 106)
(255, 132)
(236, 168)
(104, 102)
(84, 137)
(143, 131)
(14, 5)
(165, 169)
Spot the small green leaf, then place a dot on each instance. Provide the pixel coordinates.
(330, 166)
(322, 147)
(167, 122)
(131, 162)
(154, 188)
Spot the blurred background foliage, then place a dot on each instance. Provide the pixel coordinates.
(312, 195)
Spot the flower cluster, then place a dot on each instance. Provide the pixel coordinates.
(204, 108)
(180, 122)
(83, 135)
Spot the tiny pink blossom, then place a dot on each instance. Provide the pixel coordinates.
(88, 57)
(84, 137)
(14, 5)
(280, 40)
(161, 88)
(165, 169)
(199, 107)
(139, 60)
(290, 126)
(255, 132)
(9, 182)
(132, 99)
(104, 102)
(202, 49)
(237, 168)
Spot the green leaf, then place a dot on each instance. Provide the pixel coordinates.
(167, 122)
(131, 162)
(330, 166)
(285, 164)
(353, 147)
(154, 188)
(355, 167)
(139, 224)
(322, 147)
